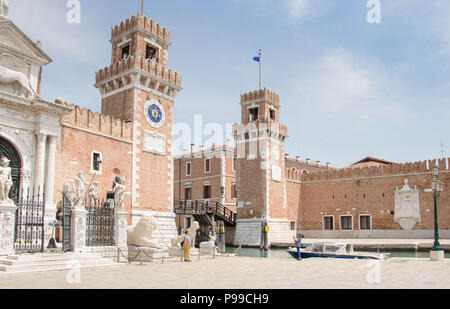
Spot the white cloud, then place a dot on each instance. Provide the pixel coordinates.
(339, 84)
(297, 8)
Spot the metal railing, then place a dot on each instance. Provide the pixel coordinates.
(99, 225)
(187, 207)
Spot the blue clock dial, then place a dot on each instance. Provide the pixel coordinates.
(155, 114)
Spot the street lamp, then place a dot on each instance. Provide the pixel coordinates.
(437, 186)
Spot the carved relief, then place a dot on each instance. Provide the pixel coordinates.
(407, 207)
(154, 142)
(15, 81)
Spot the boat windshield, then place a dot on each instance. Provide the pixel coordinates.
(335, 248)
(317, 247)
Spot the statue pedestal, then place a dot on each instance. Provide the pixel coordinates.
(207, 248)
(7, 227)
(120, 226)
(78, 230)
(147, 254)
(437, 255)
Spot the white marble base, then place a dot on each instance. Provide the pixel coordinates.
(7, 226)
(148, 254)
(437, 255)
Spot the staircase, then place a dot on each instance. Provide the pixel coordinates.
(44, 262)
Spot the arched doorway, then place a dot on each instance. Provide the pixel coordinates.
(8, 150)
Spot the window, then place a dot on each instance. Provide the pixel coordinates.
(125, 52)
(233, 164)
(234, 193)
(187, 222)
(253, 114)
(96, 162)
(364, 222)
(188, 194)
(207, 191)
(328, 223)
(207, 165)
(150, 52)
(188, 168)
(293, 226)
(272, 114)
(346, 223)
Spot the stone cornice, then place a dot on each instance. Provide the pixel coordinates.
(34, 105)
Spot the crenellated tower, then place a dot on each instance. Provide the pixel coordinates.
(139, 88)
(261, 183)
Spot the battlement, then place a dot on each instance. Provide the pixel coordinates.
(371, 171)
(140, 63)
(261, 125)
(84, 118)
(142, 22)
(260, 95)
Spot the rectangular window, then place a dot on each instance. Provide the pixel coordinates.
(188, 168)
(293, 226)
(125, 52)
(253, 114)
(96, 162)
(328, 223)
(234, 193)
(233, 164)
(150, 52)
(207, 165)
(207, 192)
(188, 194)
(272, 114)
(346, 223)
(364, 222)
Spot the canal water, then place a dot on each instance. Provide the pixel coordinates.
(280, 253)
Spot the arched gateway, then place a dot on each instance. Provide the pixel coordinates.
(8, 150)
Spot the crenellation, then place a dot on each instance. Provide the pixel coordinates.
(143, 22)
(93, 121)
(259, 95)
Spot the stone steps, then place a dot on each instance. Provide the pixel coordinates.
(18, 264)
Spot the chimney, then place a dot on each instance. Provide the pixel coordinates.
(286, 156)
(328, 164)
(308, 160)
(317, 163)
(297, 158)
(213, 147)
(192, 147)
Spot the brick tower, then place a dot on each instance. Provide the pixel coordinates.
(138, 87)
(261, 181)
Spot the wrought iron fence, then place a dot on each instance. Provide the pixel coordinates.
(29, 230)
(99, 224)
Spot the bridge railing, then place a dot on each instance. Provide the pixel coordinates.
(203, 207)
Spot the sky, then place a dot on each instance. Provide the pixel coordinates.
(348, 88)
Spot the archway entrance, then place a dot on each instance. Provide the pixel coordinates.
(8, 150)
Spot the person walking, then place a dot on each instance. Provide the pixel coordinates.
(298, 244)
(187, 248)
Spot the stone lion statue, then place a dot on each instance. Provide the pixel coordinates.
(192, 231)
(139, 235)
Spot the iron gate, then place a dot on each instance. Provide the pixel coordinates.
(66, 222)
(29, 231)
(100, 225)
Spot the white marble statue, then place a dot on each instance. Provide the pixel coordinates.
(76, 190)
(139, 235)
(4, 9)
(119, 192)
(92, 194)
(20, 82)
(5, 181)
(192, 232)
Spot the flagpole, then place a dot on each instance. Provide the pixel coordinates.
(142, 8)
(260, 69)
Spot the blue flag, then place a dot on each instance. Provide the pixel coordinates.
(256, 59)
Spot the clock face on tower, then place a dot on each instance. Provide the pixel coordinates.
(155, 114)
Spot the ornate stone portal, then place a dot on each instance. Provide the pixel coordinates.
(407, 207)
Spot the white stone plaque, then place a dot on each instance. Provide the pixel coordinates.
(154, 142)
(276, 173)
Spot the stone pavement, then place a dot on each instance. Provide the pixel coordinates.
(248, 273)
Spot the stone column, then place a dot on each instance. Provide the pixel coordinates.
(78, 230)
(7, 225)
(39, 166)
(120, 228)
(50, 206)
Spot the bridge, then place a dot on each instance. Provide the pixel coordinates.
(205, 213)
